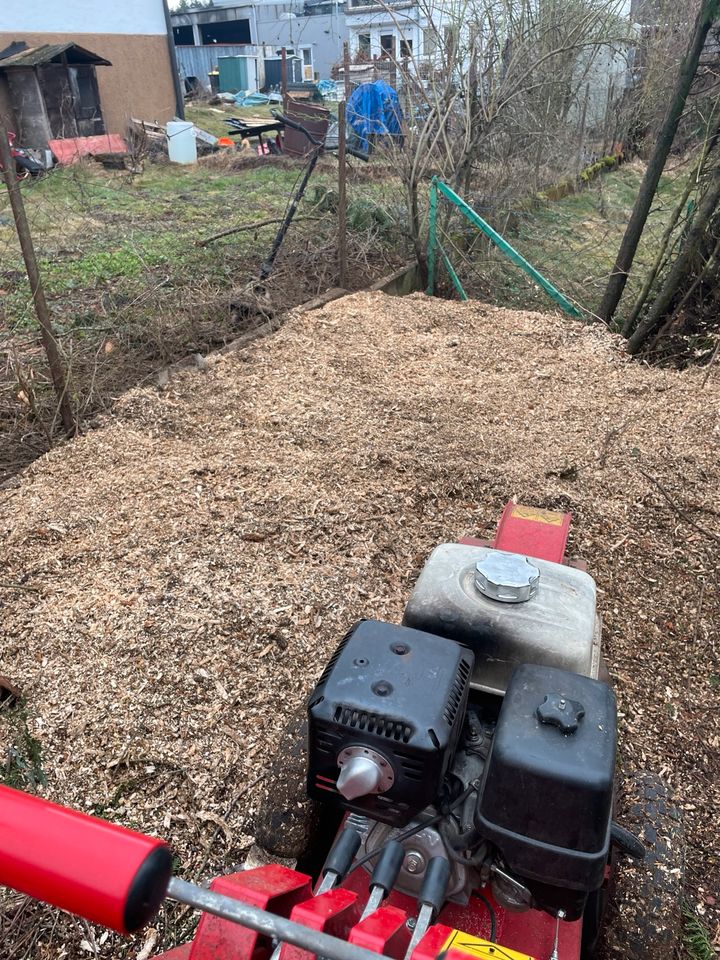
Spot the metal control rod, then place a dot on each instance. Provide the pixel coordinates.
(431, 899)
(321, 944)
(339, 859)
(384, 876)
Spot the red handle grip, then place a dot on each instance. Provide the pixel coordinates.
(111, 876)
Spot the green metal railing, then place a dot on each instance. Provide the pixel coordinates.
(434, 245)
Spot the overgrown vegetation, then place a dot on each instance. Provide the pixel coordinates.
(132, 287)
(572, 240)
(528, 99)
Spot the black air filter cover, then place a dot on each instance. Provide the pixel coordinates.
(547, 794)
(402, 694)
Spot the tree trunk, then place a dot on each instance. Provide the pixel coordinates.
(679, 269)
(626, 254)
(692, 180)
(414, 211)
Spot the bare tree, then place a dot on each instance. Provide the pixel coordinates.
(688, 68)
(500, 106)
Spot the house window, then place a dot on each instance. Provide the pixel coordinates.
(387, 46)
(183, 36)
(307, 62)
(430, 41)
(364, 45)
(226, 31)
(405, 49)
(451, 37)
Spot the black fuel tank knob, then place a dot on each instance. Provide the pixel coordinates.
(558, 711)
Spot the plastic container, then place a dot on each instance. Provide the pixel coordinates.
(181, 142)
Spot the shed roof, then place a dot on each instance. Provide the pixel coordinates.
(52, 53)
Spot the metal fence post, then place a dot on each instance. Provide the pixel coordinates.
(346, 69)
(432, 237)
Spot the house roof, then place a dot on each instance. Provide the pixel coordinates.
(51, 53)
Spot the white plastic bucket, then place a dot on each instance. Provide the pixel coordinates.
(181, 142)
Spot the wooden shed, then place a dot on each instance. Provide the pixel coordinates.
(51, 91)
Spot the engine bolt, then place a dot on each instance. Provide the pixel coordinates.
(414, 862)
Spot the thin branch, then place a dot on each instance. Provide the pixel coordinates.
(679, 510)
(248, 226)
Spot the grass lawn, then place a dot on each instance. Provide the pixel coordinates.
(132, 288)
(101, 235)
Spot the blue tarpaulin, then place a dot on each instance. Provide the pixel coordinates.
(373, 109)
(245, 98)
(327, 89)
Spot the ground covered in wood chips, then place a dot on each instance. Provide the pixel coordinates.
(173, 582)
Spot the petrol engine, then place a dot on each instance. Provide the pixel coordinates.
(477, 731)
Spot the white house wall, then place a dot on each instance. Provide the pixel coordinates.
(408, 24)
(324, 33)
(82, 16)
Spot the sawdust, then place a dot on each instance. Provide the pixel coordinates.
(173, 582)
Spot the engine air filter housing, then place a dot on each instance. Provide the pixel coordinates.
(394, 699)
(547, 793)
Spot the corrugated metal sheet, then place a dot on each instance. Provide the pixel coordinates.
(47, 52)
(72, 148)
(199, 61)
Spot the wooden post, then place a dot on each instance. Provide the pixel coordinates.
(346, 68)
(342, 199)
(47, 334)
(283, 78)
(432, 238)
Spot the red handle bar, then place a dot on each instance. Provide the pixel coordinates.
(110, 875)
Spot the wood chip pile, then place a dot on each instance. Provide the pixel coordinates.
(173, 582)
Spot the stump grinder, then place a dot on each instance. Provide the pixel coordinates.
(449, 787)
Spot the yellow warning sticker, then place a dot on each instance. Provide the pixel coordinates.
(538, 515)
(484, 949)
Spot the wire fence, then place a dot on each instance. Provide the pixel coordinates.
(571, 241)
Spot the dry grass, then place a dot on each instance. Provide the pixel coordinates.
(174, 581)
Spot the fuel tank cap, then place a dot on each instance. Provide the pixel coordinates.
(507, 577)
